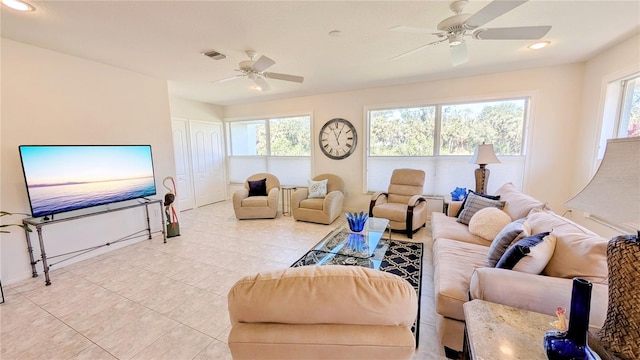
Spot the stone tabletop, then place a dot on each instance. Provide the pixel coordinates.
(500, 332)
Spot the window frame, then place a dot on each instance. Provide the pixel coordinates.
(269, 162)
(437, 158)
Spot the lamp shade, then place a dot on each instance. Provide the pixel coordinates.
(614, 192)
(484, 154)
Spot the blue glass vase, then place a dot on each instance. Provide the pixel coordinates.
(572, 344)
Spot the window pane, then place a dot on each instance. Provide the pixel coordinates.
(401, 132)
(497, 122)
(248, 138)
(630, 114)
(290, 136)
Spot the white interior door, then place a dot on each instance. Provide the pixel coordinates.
(207, 162)
(184, 188)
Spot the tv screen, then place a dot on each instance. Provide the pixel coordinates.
(62, 178)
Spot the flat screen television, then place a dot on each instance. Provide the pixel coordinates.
(63, 178)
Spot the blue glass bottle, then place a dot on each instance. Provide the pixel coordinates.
(572, 344)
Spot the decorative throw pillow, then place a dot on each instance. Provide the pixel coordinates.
(475, 203)
(530, 254)
(488, 222)
(318, 189)
(258, 187)
(464, 202)
(509, 234)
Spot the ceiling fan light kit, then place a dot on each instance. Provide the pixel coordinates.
(255, 70)
(459, 25)
(539, 45)
(18, 5)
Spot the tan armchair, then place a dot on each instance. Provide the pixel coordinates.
(322, 312)
(323, 210)
(403, 204)
(257, 207)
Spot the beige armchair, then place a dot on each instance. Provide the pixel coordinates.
(322, 312)
(323, 210)
(263, 206)
(403, 204)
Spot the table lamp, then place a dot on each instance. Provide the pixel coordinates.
(483, 155)
(614, 195)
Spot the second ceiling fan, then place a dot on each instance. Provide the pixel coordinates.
(255, 70)
(455, 28)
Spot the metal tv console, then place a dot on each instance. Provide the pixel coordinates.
(39, 223)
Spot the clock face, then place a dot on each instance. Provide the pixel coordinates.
(338, 139)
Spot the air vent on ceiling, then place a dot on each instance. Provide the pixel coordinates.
(215, 55)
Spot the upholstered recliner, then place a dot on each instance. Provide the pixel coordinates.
(323, 210)
(403, 204)
(322, 312)
(261, 206)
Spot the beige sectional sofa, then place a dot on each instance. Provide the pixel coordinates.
(461, 272)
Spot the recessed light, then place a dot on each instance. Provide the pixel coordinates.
(19, 5)
(539, 45)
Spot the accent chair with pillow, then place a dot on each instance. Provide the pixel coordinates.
(321, 202)
(258, 199)
(403, 203)
(322, 312)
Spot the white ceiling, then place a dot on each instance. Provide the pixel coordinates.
(166, 39)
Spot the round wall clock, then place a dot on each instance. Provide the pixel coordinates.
(338, 138)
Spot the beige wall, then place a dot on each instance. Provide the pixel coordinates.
(51, 98)
(610, 65)
(555, 92)
(193, 110)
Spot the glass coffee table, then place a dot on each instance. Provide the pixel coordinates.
(344, 247)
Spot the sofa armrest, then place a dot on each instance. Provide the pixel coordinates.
(538, 293)
(238, 196)
(454, 208)
(298, 196)
(273, 197)
(376, 199)
(333, 202)
(415, 200)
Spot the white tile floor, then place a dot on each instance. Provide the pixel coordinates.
(152, 300)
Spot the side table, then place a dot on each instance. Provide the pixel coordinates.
(287, 191)
(500, 332)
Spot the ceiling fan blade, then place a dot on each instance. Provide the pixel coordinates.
(262, 84)
(285, 77)
(459, 54)
(411, 29)
(228, 79)
(492, 11)
(416, 49)
(262, 64)
(512, 33)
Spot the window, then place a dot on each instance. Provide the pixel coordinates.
(629, 120)
(621, 115)
(280, 146)
(441, 139)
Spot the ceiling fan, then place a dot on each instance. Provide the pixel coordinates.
(455, 28)
(255, 70)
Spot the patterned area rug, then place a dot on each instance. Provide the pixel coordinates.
(404, 259)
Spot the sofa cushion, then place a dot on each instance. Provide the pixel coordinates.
(474, 203)
(453, 264)
(578, 253)
(258, 187)
(443, 226)
(488, 222)
(317, 189)
(518, 204)
(255, 201)
(510, 233)
(530, 254)
(314, 203)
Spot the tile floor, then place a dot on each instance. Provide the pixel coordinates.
(152, 300)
